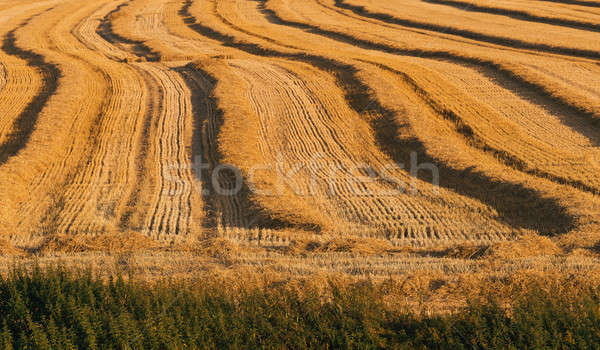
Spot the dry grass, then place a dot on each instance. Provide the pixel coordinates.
(106, 105)
(422, 280)
(528, 246)
(499, 30)
(339, 245)
(7, 249)
(116, 243)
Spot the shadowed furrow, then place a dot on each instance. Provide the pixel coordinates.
(497, 40)
(25, 122)
(579, 110)
(516, 14)
(571, 81)
(301, 126)
(359, 98)
(20, 82)
(224, 211)
(137, 48)
(228, 212)
(37, 177)
(163, 201)
(94, 193)
(576, 2)
(297, 127)
(202, 124)
(462, 127)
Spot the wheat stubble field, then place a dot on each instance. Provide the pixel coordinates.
(304, 138)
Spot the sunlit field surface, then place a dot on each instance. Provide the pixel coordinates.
(438, 151)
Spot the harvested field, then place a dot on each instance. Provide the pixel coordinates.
(354, 137)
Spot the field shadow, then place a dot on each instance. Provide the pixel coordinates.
(517, 206)
(492, 39)
(208, 120)
(138, 48)
(24, 124)
(516, 14)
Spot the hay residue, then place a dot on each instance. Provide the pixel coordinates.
(7, 249)
(111, 243)
(526, 246)
(339, 245)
